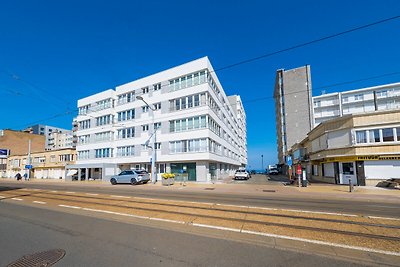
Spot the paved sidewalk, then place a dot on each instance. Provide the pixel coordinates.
(315, 190)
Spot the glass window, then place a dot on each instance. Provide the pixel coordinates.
(374, 136)
(387, 135)
(172, 126)
(190, 124)
(183, 124)
(348, 168)
(398, 133)
(196, 122)
(361, 137)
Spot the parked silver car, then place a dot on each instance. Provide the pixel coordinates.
(131, 177)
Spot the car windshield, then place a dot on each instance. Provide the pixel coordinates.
(140, 172)
(240, 170)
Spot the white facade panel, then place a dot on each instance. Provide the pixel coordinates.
(382, 169)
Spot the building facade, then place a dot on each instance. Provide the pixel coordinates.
(45, 165)
(293, 110)
(361, 148)
(59, 140)
(48, 132)
(17, 143)
(198, 132)
(382, 97)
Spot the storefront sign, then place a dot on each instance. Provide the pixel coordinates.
(4, 153)
(362, 158)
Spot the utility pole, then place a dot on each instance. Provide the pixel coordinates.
(262, 163)
(29, 159)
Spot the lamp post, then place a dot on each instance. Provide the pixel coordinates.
(153, 156)
(262, 163)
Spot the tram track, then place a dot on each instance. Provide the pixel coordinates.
(112, 203)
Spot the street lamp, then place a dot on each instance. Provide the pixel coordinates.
(262, 163)
(153, 157)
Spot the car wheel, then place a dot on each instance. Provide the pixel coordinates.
(145, 182)
(133, 181)
(113, 181)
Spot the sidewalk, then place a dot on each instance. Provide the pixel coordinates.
(315, 190)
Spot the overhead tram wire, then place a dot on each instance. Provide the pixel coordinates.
(308, 43)
(292, 48)
(227, 105)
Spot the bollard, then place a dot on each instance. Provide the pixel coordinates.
(350, 186)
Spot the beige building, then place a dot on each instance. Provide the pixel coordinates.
(45, 165)
(362, 148)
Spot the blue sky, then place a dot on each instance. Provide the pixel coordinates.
(53, 53)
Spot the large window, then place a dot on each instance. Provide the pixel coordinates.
(104, 153)
(126, 133)
(374, 136)
(125, 151)
(188, 124)
(126, 98)
(104, 120)
(361, 137)
(387, 135)
(126, 115)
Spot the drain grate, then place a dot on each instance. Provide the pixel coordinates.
(270, 191)
(40, 259)
(209, 188)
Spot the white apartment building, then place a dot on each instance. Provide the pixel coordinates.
(382, 97)
(200, 133)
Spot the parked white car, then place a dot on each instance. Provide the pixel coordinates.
(131, 177)
(241, 175)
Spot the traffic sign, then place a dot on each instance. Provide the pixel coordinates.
(289, 161)
(299, 169)
(28, 166)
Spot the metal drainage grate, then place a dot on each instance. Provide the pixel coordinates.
(209, 188)
(270, 191)
(40, 259)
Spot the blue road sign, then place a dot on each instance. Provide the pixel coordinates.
(289, 160)
(28, 166)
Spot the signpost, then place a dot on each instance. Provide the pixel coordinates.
(299, 172)
(289, 163)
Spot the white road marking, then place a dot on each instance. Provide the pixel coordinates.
(116, 213)
(53, 191)
(91, 194)
(119, 196)
(216, 227)
(166, 220)
(71, 207)
(14, 198)
(70, 192)
(39, 202)
(323, 243)
(34, 189)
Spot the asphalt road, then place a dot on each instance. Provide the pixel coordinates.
(92, 241)
(370, 207)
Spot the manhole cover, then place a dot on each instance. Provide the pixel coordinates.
(270, 191)
(209, 188)
(40, 259)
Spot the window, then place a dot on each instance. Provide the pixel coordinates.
(84, 124)
(145, 128)
(104, 120)
(383, 93)
(361, 137)
(145, 90)
(157, 106)
(126, 115)
(398, 133)
(126, 98)
(157, 145)
(157, 125)
(387, 135)
(104, 153)
(317, 103)
(157, 86)
(345, 99)
(348, 168)
(145, 109)
(124, 151)
(126, 133)
(374, 136)
(359, 97)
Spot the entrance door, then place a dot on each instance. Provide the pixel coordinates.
(360, 173)
(347, 172)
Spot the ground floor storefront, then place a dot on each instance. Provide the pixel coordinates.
(358, 170)
(194, 171)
